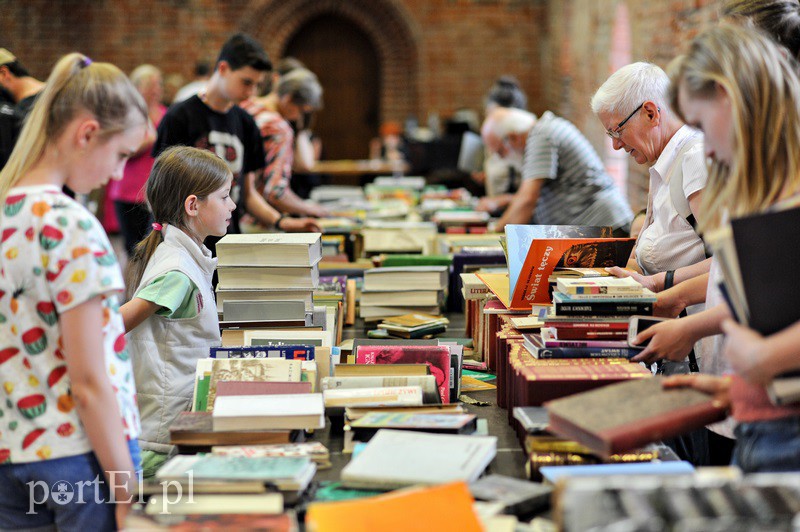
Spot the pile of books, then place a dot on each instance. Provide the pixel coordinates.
(268, 267)
(590, 318)
(403, 290)
(414, 326)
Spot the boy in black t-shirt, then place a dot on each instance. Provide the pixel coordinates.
(213, 121)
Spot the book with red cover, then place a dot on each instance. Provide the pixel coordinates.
(531, 261)
(531, 381)
(629, 415)
(261, 388)
(436, 357)
(542, 380)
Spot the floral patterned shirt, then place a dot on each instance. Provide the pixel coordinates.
(54, 256)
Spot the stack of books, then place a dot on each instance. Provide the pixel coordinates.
(268, 267)
(288, 474)
(417, 325)
(397, 236)
(590, 318)
(395, 291)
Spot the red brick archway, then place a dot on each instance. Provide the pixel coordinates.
(387, 23)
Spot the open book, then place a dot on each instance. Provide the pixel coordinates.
(531, 261)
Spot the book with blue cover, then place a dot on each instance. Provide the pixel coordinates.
(288, 352)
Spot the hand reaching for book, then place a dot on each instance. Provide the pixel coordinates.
(648, 281)
(300, 225)
(669, 340)
(719, 387)
(746, 350)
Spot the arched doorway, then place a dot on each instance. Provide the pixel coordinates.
(344, 58)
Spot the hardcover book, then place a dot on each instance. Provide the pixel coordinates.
(269, 249)
(434, 423)
(629, 415)
(289, 352)
(286, 473)
(265, 412)
(196, 429)
(437, 357)
(758, 256)
(396, 458)
(531, 261)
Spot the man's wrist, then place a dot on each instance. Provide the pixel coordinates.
(279, 220)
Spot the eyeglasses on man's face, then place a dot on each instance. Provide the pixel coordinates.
(616, 132)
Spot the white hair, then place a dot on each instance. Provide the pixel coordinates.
(514, 120)
(631, 86)
(142, 74)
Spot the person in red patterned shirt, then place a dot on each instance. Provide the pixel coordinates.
(295, 95)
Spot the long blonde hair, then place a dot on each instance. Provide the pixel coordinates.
(764, 92)
(179, 172)
(75, 84)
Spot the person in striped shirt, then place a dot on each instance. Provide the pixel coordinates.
(563, 179)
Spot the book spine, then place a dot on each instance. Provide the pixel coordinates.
(594, 289)
(288, 352)
(588, 325)
(586, 343)
(587, 352)
(603, 309)
(589, 334)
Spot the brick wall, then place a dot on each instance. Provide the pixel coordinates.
(437, 55)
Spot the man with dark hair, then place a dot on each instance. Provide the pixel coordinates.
(212, 120)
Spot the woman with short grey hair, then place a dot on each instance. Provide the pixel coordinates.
(633, 107)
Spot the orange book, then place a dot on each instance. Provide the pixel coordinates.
(526, 284)
(442, 507)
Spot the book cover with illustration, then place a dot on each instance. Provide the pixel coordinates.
(531, 261)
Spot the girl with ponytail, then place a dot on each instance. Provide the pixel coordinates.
(69, 418)
(172, 316)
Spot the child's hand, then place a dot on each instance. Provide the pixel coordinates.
(719, 387)
(746, 350)
(300, 225)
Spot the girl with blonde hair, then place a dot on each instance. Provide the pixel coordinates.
(738, 87)
(69, 416)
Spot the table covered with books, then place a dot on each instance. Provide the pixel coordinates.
(449, 375)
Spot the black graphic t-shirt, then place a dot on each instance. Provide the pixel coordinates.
(233, 136)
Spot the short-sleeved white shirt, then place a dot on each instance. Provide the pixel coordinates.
(667, 241)
(54, 256)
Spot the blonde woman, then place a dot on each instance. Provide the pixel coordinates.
(737, 87)
(127, 194)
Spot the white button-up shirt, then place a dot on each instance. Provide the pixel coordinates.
(667, 241)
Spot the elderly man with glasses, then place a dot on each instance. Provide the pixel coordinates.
(563, 179)
(632, 105)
